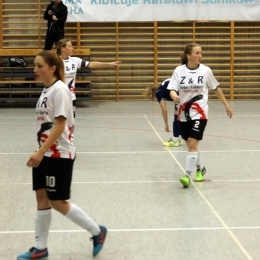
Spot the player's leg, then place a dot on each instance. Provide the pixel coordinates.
(43, 215)
(192, 132)
(201, 170)
(59, 192)
(59, 35)
(177, 139)
(176, 127)
(49, 40)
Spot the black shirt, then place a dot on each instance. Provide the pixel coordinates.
(60, 11)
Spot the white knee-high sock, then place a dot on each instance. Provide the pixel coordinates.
(79, 217)
(42, 227)
(191, 162)
(198, 163)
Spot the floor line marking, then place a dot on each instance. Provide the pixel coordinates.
(241, 247)
(138, 152)
(127, 115)
(177, 162)
(127, 182)
(94, 182)
(135, 230)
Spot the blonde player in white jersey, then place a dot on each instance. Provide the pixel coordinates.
(52, 163)
(192, 81)
(71, 64)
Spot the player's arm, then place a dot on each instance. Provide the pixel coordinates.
(55, 133)
(97, 64)
(175, 97)
(222, 98)
(164, 114)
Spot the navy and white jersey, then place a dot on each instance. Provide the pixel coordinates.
(56, 101)
(162, 91)
(71, 66)
(190, 83)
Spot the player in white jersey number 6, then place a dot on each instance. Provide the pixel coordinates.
(71, 64)
(52, 163)
(192, 80)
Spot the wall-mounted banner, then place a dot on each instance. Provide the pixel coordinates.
(162, 10)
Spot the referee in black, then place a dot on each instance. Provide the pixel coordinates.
(56, 14)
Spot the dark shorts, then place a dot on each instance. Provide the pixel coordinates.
(193, 129)
(55, 175)
(74, 107)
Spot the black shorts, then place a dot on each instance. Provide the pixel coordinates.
(193, 129)
(74, 107)
(55, 175)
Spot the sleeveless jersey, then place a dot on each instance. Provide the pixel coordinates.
(56, 101)
(190, 83)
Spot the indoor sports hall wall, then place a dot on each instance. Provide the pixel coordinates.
(149, 51)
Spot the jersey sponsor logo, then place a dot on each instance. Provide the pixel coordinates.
(42, 103)
(191, 81)
(72, 68)
(42, 113)
(191, 91)
(40, 118)
(191, 85)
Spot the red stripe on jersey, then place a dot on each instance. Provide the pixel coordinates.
(71, 129)
(56, 152)
(199, 109)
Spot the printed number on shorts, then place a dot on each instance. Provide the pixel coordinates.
(197, 123)
(50, 181)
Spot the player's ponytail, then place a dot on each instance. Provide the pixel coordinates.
(149, 92)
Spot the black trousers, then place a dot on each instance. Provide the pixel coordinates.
(53, 36)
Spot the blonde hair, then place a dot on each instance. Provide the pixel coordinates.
(61, 43)
(150, 92)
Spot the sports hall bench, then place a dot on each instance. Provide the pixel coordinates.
(18, 84)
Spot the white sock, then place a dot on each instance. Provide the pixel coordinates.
(191, 162)
(79, 217)
(198, 163)
(42, 227)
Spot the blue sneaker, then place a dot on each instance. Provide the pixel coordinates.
(34, 253)
(98, 241)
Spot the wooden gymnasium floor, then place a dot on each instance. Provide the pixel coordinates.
(125, 179)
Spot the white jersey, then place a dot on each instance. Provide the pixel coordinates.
(190, 83)
(71, 65)
(56, 101)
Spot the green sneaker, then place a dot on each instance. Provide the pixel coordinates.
(171, 143)
(180, 142)
(200, 174)
(185, 181)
